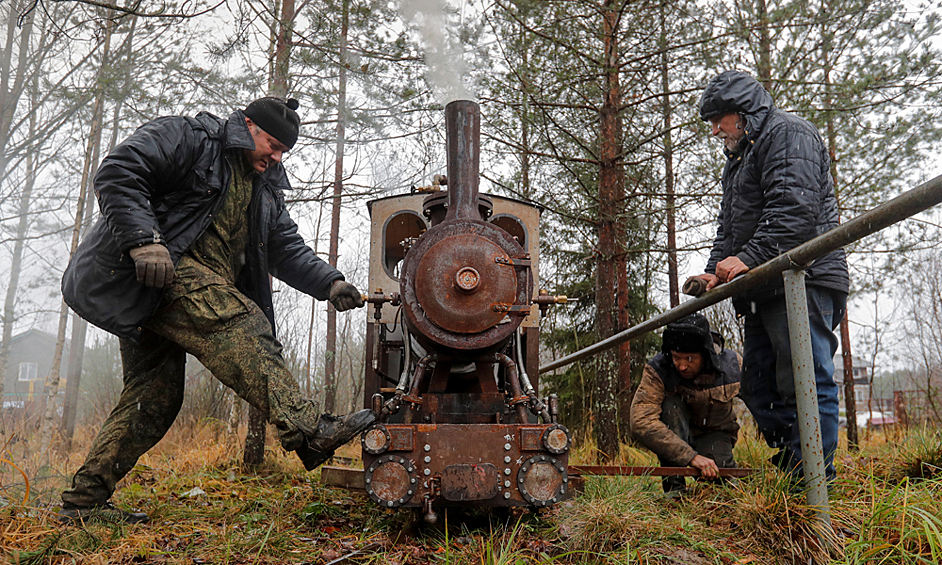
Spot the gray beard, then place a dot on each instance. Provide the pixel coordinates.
(731, 143)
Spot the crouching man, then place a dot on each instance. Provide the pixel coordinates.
(683, 409)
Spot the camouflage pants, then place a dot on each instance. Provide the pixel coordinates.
(232, 338)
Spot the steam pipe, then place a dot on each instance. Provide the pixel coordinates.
(393, 404)
(463, 133)
(513, 380)
(407, 358)
(524, 378)
(420, 372)
(536, 406)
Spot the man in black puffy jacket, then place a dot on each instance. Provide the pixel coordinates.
(193, 224)
(777, 194)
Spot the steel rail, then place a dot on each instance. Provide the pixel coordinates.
(653, 471)
(909, 203)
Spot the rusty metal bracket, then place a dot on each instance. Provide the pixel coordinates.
(519, 400)
(414, 400)
(513, 261)
(511, 308)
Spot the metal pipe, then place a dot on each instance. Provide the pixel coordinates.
(524, 378)
(420, 368)
(513, 381)
(536, 405)
(806, 395)
(903, 206)
(376, 337)
(406, 361)
(463, 138)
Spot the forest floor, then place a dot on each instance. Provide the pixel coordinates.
(206, 507)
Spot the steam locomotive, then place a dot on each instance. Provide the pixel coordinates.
(453, 346)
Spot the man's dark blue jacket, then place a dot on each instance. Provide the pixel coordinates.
(164, 184)
(777, 188)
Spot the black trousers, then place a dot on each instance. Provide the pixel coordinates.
(712, 444)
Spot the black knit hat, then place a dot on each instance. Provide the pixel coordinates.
(690, 334)
(277, 117)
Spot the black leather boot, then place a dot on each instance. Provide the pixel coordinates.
(332, 432)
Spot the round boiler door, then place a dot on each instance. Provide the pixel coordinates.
(459, 280)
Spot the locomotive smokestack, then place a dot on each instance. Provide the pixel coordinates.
(463, 133)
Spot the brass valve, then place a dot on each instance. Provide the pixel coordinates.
(545, 299)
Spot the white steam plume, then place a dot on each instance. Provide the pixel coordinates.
(446, 64)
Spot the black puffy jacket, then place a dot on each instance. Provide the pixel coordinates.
(164, 184)
(777, 188)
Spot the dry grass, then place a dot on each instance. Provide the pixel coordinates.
(207, 508)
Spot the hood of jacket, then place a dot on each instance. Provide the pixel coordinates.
(736, 92)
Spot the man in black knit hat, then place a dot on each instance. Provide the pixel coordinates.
(683, 408)
(193, 225)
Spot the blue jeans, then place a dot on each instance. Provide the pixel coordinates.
(768, 386)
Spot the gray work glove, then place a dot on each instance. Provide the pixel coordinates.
(153, 264)
(694, 286)
(345, 296)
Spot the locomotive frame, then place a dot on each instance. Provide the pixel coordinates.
(452, 346)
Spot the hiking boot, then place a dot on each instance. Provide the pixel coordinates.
(332, 432)
(674, 483)
(675, 494)
(106, 512)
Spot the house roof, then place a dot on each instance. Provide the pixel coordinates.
(858, 363)
(40, 335)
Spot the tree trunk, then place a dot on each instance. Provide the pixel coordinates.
(254, 453)
(280, 76)
(10, 93)
(235, 415)
(765, 45)
(330, 361)
(308, 374)
(525, 190)
(16, 267)
(673, 284)
(79, 325)
(610, 263)
(9, 98)
(94, 141)
(850, 400)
